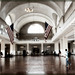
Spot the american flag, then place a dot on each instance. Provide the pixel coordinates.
(47, 30)
(10, 33)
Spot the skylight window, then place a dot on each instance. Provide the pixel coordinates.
(35, 29)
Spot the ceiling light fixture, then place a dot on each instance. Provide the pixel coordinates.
(48, 46)
(21, 46)
(74, 42)
(35, 46)
(28, 9)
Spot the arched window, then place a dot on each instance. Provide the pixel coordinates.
(8, 20)
(35, 29)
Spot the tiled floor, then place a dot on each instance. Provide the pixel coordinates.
(37, 65)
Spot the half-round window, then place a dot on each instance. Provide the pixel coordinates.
(35, 29)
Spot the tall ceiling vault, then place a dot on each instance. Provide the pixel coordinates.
(42, 11)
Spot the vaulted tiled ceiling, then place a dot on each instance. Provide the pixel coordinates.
(42, 11)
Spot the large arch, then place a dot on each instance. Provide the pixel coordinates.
(8, 7)
(28, 18)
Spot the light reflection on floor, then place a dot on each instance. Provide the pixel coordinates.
(43, 65)
(35, 67)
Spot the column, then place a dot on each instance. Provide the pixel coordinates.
(3, 47)
(61, 46)
(57, 47)
(41, 47)
(73, 44)
(65, 43)
(28, 48)
(12, 49)
(13, 52)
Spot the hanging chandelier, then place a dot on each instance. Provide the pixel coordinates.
(28, 9)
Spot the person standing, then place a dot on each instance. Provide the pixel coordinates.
(69, 55)
(67, 58)
(66, 55)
